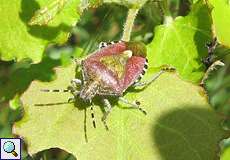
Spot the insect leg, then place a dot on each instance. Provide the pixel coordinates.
(78, 61)
(135, 105)
(75, 82)
(108, 108)
(164, 69)
(71, 100)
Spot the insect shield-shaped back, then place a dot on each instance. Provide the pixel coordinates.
(113, 68)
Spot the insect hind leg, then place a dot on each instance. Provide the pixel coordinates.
(135, 105)
(164, 68)
(108, 109)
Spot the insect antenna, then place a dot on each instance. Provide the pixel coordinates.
(55, 90)
(70, 100)
(92, 116)
(51, 104)
(85, 127)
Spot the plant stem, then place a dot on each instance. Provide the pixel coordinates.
(210, 69)
(165, 12)
(132, 13)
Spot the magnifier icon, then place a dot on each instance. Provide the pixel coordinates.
(9, 147)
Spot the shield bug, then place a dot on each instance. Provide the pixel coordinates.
(109, 71)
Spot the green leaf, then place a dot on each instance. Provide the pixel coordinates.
(20, 78)
(181, 42)
(90, 3)
(195, 1)
(226, 154)
(221, 21)
(179, 123)
(19, 40)
(217, 87)
(47, 13)
(15, 103)
(225, 149)
(128, 3)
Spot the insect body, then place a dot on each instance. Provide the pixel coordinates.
(109, 71)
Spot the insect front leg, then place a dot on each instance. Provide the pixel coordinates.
(164, 69)
(108, 109)
(78, 61)
(75, 94)
(71, 100)
(135, 105)
(75, 82)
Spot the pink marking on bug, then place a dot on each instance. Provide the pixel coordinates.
(134, 68)
(96, 70)
(113, 49)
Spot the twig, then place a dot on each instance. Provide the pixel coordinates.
(210, 69)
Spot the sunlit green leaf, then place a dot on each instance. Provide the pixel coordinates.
(181, 42)
(19, 40)
(226, 154)
(129, 3)
(220, 16)
(15, 103)
(47, 13)
(178, 117)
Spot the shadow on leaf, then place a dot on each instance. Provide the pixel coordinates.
(189, 134)
(28, 8)
(202, 37)
(52, 153)
(19, 80)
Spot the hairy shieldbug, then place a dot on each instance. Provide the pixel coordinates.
(109, 71)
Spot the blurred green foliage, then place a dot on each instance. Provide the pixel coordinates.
(101, 24)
